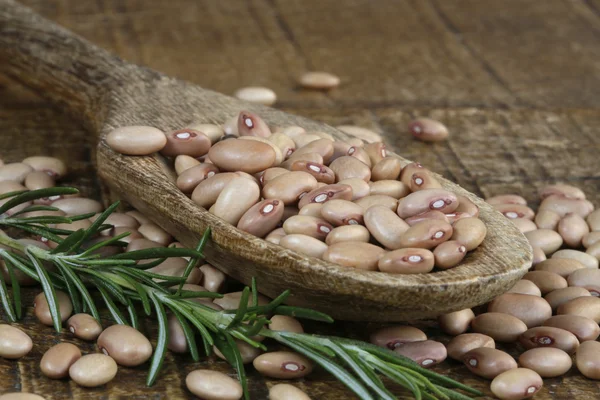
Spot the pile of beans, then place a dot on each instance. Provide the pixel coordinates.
(344, 202)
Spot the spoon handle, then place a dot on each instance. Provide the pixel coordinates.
(63, 67)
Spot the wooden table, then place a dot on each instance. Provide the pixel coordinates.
(516, 82)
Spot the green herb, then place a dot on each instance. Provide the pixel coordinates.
(121, 281)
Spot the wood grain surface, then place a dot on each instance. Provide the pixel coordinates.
(516, 81)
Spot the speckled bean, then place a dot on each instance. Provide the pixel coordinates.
(586, 306)
(587, 359)
(449, 254)
(285, 323)
(284, 391)
(561, 266)
(563, 206)
(514, 211)
(532, 310)
(506, 199)
(377, 199)
(191, 177)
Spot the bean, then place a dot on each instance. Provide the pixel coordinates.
(78, 206)
(395, 336)
(289, 187)
(247, 352)
(563, 206)
(587, 359)
(407, 261)
(230, 128)
(433, 214)
(561, 266)
(308, 157)
(320, 172)
(347, 233)
(42, 310)
(20, 396)
(199, 300)
(242, 155)
(426, 353)
(38, 180)
(58, 359)
(176, 266)
(556, 298)
(319, 80)
(84, 326)
(462, 344)
(136, 140)
(256, 94)
(231, 301)
(547, 362)
(14, 172)
(587, 260)
(342, 212)
(192, 177)
(385, 226)
(546, 281)
(376, 152)
(177, 341)
(312, 210)
(516, 384)
(93, 370)
(514, 211)
(207, 191)
(524, 225)
(545, 239)
(593, 220)
(354, 254)
(360, 154)
(282, 365)
(563, 190)
(573, 228)
(594, 250)
(14, 343)
(140, 218)
(362, 133)
(326, 193)
(586, 306)
(506, 199)
(395, 189)
(426, 234)
(470, 232)
(548, 336)
(183, 163)
(320, 146)
(360, 188)
(142, 244)
(582, 327)
(387, 169)
(347, 167)
(285, 144)
(275, 236)
(456, 216)
(126, 345)
(424, 179)
(262, 217)
(212, 278)
(305, 225)
(14, 186)
(501, 327)
(213, 385)
(284, 391)
(377, 199)
(409, 170)
(488, 362)
(532, 310)
(155, 233)
(235, 199)
(278, 154)
(456, 323)
(426, 200)
(449, 254)
(586, 278)
(546, 219)
(524, 286)
(271, 173)
(286, 324)
(428, 130)
(187, 142)
(213, 132)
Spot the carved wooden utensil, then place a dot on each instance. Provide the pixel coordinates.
(105, 92)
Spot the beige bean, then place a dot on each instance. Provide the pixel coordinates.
(290, 187)
(563, 206)
(547, 362)
(456, 323)
(556, 298)
(376, 152)
(532, 310)
(212, 278)
(424, 179)
(235, 199)
(546, 219)
(14, 172)
(516, 384)
(285, 323)
(38, 180)
(426, 353)
(176, 266)
(140, 218)
(319, 80)
(279, 157)
(183, 163)
(326, 193)
(187, 142)
(593, 220)
(304, 244)
(339, 149)
(499, 326)
(548, 336)
(213, 132)
(470, 232)
(354, 254)
(320, 172)
(14, 186)
(141, 244)
(426, 200)
(136, 140)
(231, 301)
(305, 225)
(395, 189)
(586, 259)
(466, 205)
(433, 214)
(563, 190)
(572, 228)
(347, 167)
(385, 226)
(242, 155)
(192, 177)
(347, 233)
(586, 306)
(360, 188)
(247, 352)
(300, 156)
(407, 261)
(14, 343)
(488, 362)
(126, 345)
(582, 327)
(155, 233)
(456, 216)
(284, 391)
(387, 169)
(250, 124)
(428, 130)
(42, 310)
(449, 254)
(360, 154)
(283, 365)
(275, 236)
(587, 359)
(312, 210)
(586, 278)
(590, 239)
(285, 144)
(291, 131)
(362, 133)
(395, 336)
(514, 211)
(77, 206)
(342, 212)
(52, 166)
(546, 281)
(320, 146)
(426, 234)
(213, 385)
(20, 396)
(55, 362)
(594, 250)
(207, 191)
(525, 287)
(538, 256)
(506, 199)
(377, 199)
(462, 344)
(84, 326)
(545, 239)
(262, 218)
(271, 173)
(524, 225)
(256, 94)
(93, 370)
(561, 266)
(177, 342)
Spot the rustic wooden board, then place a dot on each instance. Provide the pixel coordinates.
(515, 81)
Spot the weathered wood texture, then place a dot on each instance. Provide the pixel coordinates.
(515, 81)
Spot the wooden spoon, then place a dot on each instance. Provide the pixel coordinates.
(105, 92)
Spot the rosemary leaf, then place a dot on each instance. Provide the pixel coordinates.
(16, 289)
(133, 317)
(34, 195)
(229, 349)
(48, 291)
(161, 345)
(304, 313)
(85, 294)
(156, 252)
(194, 260)
(6, 301)
(189, 335)
(112, 308)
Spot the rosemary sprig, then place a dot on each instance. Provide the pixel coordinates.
(121, 282)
